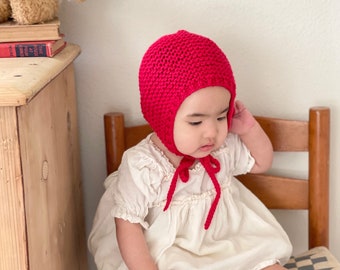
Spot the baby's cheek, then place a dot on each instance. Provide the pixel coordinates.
(184, 143)
(222, 136)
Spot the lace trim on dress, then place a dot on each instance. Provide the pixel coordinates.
(121, 213)
(194, 198)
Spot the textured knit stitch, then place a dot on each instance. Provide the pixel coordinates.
(174, 67)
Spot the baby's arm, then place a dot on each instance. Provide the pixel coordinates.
(132, 246)
(253, 136)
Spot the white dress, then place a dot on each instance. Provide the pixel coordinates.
(243, 234)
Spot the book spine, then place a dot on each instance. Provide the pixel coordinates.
(25, 50)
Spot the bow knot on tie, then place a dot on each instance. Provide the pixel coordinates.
(211, 165)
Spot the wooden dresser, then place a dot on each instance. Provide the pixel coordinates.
(41, 205)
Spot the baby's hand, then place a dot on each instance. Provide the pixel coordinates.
(242, 120)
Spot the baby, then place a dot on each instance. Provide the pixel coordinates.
(174, 202)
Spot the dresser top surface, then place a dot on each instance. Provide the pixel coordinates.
(22, 78)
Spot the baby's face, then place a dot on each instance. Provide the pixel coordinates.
(201, 124)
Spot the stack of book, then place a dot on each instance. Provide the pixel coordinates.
(35, 40)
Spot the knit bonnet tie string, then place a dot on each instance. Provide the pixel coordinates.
(183, 172)
(212, 166)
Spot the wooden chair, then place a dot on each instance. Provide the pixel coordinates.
(275, 191)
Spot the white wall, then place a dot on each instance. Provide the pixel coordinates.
(285, 55)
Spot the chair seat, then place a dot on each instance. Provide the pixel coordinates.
(314, 259)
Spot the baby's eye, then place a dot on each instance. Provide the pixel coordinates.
(195, 123)
(221, 118)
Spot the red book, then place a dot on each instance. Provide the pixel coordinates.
(47, 48)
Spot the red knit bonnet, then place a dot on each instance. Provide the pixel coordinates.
(174, 67)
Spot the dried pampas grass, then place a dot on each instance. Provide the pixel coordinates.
(5, 10)
(34, 11)
(29, 11)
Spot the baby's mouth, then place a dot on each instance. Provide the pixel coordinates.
(207, 147)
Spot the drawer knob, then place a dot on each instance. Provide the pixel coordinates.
(44, 170)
